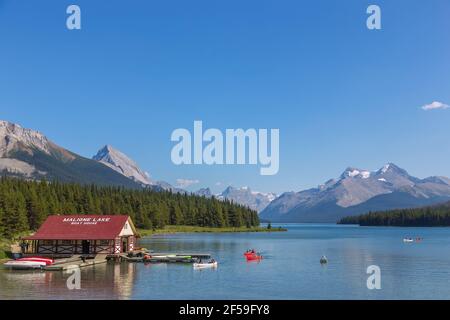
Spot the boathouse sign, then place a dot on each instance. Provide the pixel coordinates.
(86, 220)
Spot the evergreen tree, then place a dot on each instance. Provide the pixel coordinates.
(24, 205)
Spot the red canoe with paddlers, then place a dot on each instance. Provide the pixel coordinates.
(252, 255)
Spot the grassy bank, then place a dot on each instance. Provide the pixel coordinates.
(5, 246)
(194, 229)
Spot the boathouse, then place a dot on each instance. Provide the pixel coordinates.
(83, 234)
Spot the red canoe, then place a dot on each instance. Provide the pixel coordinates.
(253, 257)
(47, 261)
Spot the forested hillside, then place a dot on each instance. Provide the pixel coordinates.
(432, 216)
(24, 205)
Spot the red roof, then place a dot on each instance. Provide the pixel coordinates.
(80, 227)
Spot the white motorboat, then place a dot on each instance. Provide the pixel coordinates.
(24, 265)
(203, 265)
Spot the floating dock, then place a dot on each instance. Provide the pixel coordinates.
(152, 257)
(193, 255)
(156, 257)
(71, 263)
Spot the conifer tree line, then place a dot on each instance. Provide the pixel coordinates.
(432, 216)
(24, 206)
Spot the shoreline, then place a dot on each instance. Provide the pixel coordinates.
(195, 229)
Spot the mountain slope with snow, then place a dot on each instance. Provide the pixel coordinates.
(245, 196)
(358, 191)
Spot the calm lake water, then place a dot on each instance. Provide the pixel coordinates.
(290, 270)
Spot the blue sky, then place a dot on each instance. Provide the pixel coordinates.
(340, 94)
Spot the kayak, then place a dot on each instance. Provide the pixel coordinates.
(205, 265)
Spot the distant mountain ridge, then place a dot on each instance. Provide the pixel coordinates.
(244, 196)
(358, 191)
(28, 154)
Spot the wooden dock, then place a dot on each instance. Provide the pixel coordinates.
(193, 255)
(157, 257)
(68, 264)
(77, 262)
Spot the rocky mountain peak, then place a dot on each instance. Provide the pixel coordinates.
(121, 163)
(13, 136)
(393, 169)
(204, 192)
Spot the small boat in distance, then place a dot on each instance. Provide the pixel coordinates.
(408, 240)
(323, 260)
(252, 255)
(203, 265)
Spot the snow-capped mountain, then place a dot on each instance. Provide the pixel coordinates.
(121, 163)
(358, 191)
(27, 153)
(245, 196)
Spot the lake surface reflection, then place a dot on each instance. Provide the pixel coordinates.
(290, 268)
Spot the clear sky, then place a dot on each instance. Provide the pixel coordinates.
(340, 94)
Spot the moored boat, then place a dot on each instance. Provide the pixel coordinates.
(24, 265)
(47, 261)
(29, 263)
(203, 265)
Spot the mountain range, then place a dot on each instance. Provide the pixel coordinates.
(245, 196)
(358, 191)
(28, 154)
(255, 200)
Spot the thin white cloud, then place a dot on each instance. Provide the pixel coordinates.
(184, 183)
(435, 105)
(218, 183)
